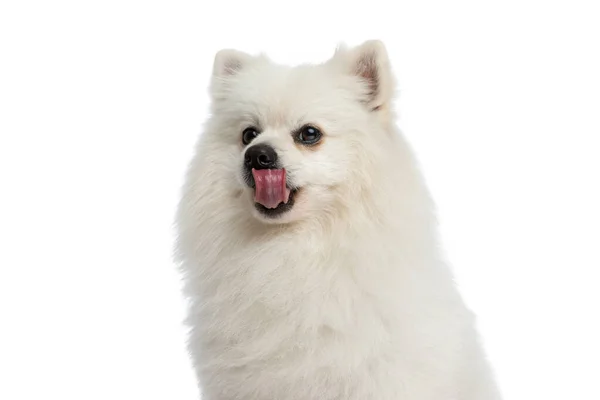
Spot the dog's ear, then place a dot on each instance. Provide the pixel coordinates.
(229, 62)
(227, 66)
(369, 62)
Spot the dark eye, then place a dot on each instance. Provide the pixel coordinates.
(309, 135)
(249, 134)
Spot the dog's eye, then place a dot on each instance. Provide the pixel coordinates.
(309, 135)
(249, 134)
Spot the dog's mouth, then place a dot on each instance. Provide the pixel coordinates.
(272, 196)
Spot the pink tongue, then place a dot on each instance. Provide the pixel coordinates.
(270, 187)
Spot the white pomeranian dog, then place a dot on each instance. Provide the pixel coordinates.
(308, 244)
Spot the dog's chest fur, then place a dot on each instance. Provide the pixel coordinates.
(312, 314)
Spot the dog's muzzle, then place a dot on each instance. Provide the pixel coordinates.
(269, 181)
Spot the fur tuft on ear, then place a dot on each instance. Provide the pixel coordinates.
(229, 62)
(369, 62)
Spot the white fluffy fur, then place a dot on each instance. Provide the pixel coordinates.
(347, 296)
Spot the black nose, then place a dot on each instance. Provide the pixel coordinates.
(260, 156)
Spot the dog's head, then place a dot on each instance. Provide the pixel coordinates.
(295, 139)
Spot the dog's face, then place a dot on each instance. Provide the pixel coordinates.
(291, 138)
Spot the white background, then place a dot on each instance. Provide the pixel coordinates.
(101, 102)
